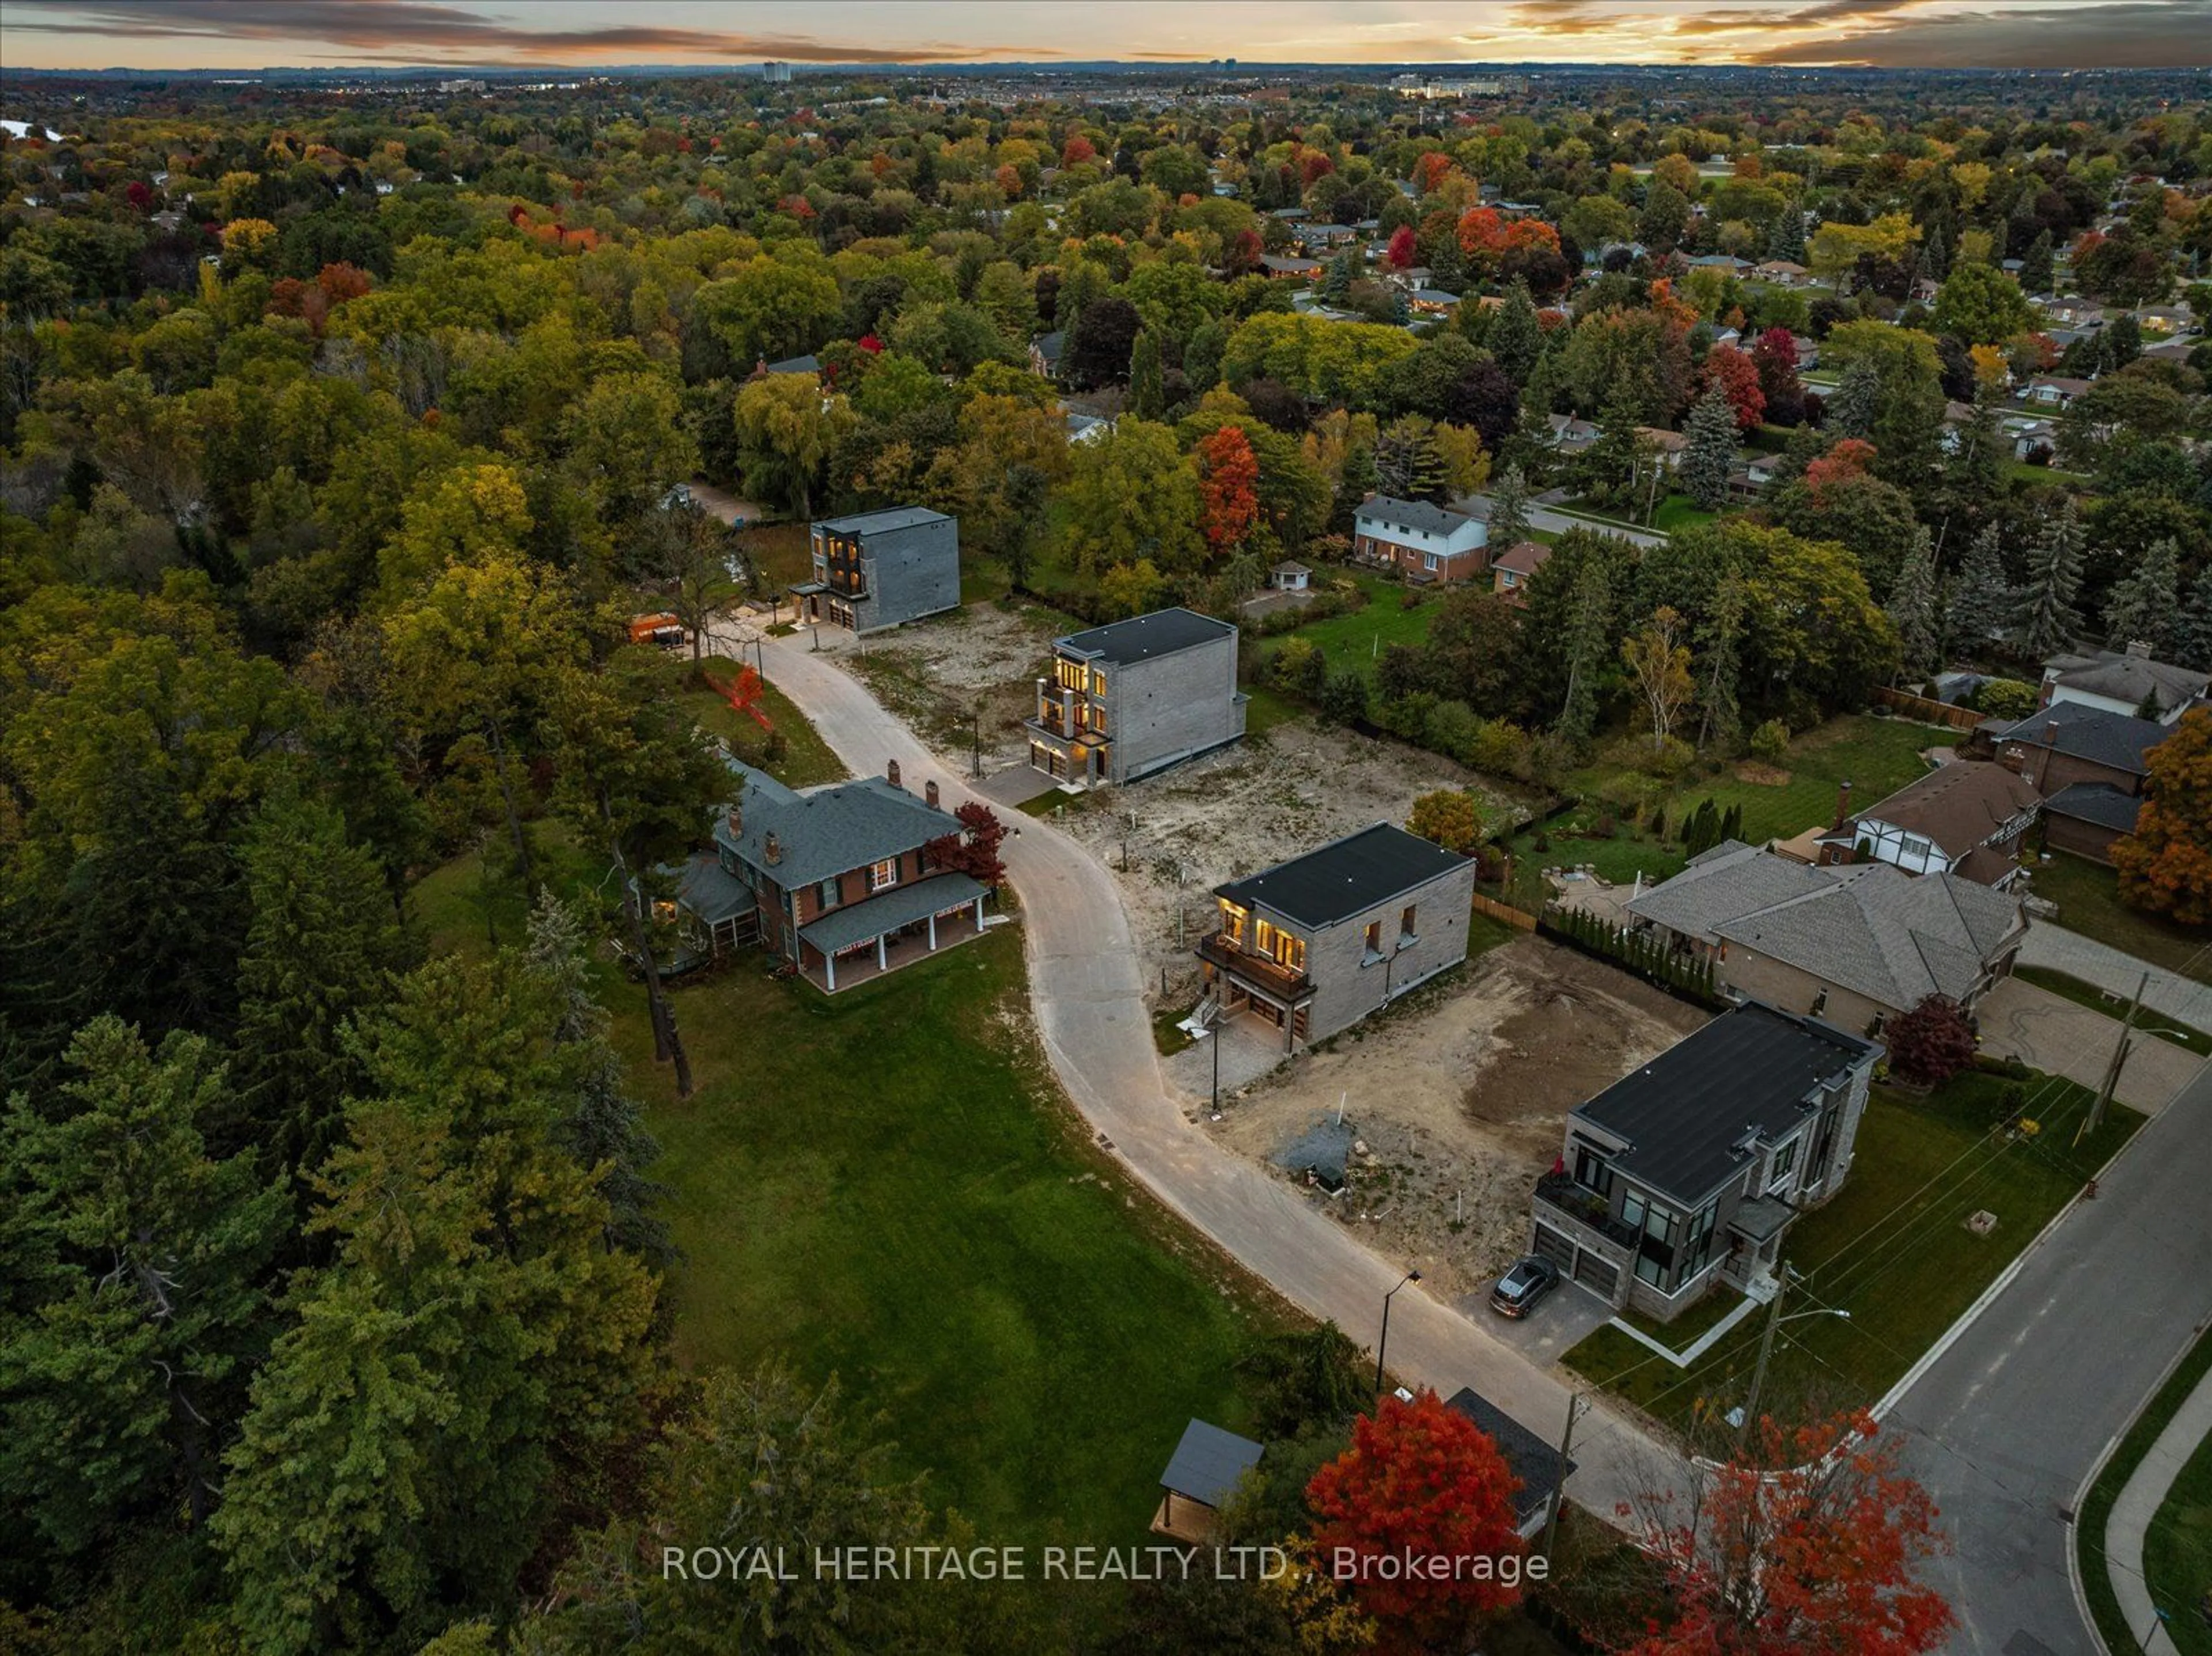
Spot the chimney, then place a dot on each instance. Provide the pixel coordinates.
(891, 775)
(737, 819)
(772, 848)
(929, 793)
(1843, 804)
(2139, 648)
(2050, 732)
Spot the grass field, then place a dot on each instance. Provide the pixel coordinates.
(2088, 898)
(806, 757)
(1892, 1248)
(783, 553)
(1357, 641)
(2172, 1551)
(1679, 512)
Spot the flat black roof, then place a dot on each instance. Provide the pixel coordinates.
(882, 522)
(1346, 877)
(1140, 638)
(1686, 1113)
(1528, 1456)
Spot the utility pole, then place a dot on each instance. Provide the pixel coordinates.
(1577, 1402)
(2096, 1116)
(1765, 1350)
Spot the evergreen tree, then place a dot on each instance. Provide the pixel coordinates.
(2049, 622)
(1973, 470)
(1407, 463)
(2193, 629)
(472, 1355)
(1612, 464)
(2121, 342)
(1719, 643)
(1984, 601)
(320, 951)
(1912, 608)
(2037, 273)
(605, 1128)
(136, 1289)
(1337, 279)
(1201, 356)
(1509, 510)
(1785, 237)
(1857, 405)
(1586, 648)
(1711, 453)
(1516, 337)
(1147, 389)
(2144, 605)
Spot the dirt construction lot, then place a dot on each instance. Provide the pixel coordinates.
(1270, 798)
(1460, 1095)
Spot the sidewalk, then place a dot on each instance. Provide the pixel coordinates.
(2138, 1504)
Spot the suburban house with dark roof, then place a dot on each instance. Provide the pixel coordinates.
(878, 569)
(838, 880)
(1313, 945)
(1691, 1168)
(1852, 944)
(1423, 543)
(1960, 818)
(2124, 681)
(1135, 696)
(1534, 1461)
(2088, 763)
(1044, 353)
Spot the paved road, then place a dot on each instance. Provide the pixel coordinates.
(2006, 1426)
(2139, 1500)
(1542, 517)
(1087, 988)
(2092, 962)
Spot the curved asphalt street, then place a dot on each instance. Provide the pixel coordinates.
(2004, 1427)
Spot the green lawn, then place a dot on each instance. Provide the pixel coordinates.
(2088, 898)
(1679, 512)
(1878, 756)
(783, 553)
(2178, 1554)
(1358, 640)
(805, 760)
(2171, 1552)
(2088, 995)
(1268, 708)
(1892, 1248)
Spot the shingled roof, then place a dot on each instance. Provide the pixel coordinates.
(826, 830)
(1891, 937)
(1955, 806)
(2118, 741)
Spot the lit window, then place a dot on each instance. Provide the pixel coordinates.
(883, 874)
(1097, 682)
(1374, 939)
(1232, 924)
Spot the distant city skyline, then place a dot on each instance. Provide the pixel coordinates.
(245, 34)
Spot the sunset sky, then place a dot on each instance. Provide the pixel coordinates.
(255, 33)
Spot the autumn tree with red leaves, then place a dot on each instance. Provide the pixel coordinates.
(1229, 482)
(1930, 1044)
(1420, 1481)
(1432, 168)
(1077, 150)
(1737, 376)
(1486, 236)
(974, 850)
(1852, 458)
(1818, 1559)
(1403, 250)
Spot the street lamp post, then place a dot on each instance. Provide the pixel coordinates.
(1774, 1320)
(1382, 1343)
(1215, 1029)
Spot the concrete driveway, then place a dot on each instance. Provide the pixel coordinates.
(2050, 1033)
(1561, 1321)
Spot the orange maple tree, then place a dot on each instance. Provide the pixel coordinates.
(1421, 1482)
(1229, 484)
(1848, 460)
(1737, 376)
(1818, 1559)
(1486, 236)
(2166, 865)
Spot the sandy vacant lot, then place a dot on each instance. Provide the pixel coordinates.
(977, 660)
(1461, 1096)
(1270, 798)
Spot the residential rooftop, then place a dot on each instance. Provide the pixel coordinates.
(2128, 675)
(882, 522)
(1143, 638)
(825, 830)
(1691, 1116)
(1344, 877)
(1417, 514)
(1956, 805)
(2118, 741)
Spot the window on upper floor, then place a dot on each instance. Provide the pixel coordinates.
(1783, 1163)
(828, 894)
(1406, 934)
(1373, 949)
(883, 874)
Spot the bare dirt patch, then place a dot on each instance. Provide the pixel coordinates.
(979, 662)
(1268, 798)
(1460, 1095)
(1762, 776)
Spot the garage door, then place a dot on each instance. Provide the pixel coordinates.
(1559, 1249)
(1593, 1271)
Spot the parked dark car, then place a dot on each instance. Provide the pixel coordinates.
(1529, 1281)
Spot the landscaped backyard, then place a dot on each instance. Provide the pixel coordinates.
(1892, 1248)
(1358, 639)
(1876, 755)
